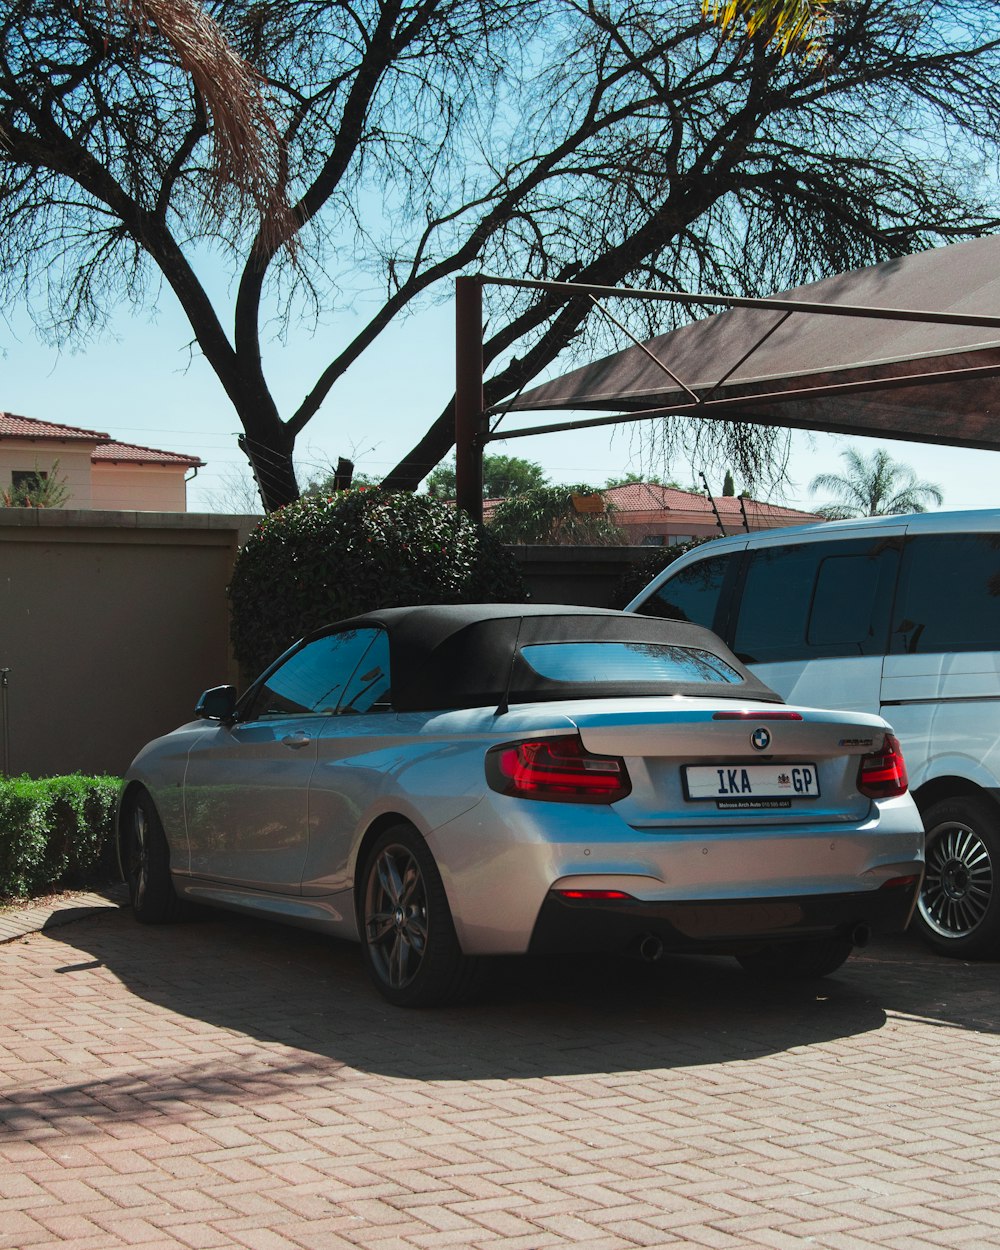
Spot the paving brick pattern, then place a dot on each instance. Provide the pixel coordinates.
(229, 1083)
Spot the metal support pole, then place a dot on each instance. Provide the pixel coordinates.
(711, 500)
(6, 720)
(469, 419)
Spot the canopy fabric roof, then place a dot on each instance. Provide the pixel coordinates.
(891, 378)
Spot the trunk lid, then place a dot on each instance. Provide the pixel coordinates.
(696, 763)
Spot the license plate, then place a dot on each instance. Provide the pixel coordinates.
(740, 784)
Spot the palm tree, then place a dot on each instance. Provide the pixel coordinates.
(794, 25)
(875, 485)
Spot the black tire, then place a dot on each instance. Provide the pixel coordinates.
(804, 960)
(146, 861)
(407, 934)
(958, 912)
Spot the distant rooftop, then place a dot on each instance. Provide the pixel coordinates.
(652, 497)
(13, 426)
(106, 451)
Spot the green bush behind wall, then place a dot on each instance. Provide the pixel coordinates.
(56, 832)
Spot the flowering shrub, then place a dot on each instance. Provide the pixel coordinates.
(320, 560)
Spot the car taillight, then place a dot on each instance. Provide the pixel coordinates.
(882, 774)
(556, 769)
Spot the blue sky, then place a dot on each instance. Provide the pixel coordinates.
(140, 384)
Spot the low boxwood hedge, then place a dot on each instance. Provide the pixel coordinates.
(56, 833)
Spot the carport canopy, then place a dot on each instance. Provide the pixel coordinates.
(907, 349)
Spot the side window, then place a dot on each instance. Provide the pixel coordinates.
(692, 594)
(313, 680)
(369, 688)
(815, 600)
(949, 594)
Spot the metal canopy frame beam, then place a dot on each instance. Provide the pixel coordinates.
(472, 431)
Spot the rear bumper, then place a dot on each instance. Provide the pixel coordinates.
(722, 926)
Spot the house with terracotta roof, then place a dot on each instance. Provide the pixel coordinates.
(652, 515)
(97, 471)
(659, 516)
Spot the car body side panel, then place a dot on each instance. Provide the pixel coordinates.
(245, 800)
(373, 765)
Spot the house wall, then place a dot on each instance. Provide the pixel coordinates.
(672, 528)
(142, 488)
(73, 465)
(674, 525)
(111, 624)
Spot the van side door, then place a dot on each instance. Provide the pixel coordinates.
(941, 683)
(812, 617)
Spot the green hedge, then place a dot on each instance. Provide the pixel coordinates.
(56, 832)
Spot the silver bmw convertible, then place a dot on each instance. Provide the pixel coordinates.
(448, 783)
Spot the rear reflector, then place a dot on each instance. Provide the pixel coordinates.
(882, 774)
(558, 770)
(592, 895)
(899, 883)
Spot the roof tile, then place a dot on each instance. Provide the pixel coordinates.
(132, 453)
(107, 450)
(13, 426)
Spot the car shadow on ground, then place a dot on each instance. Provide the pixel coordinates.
(532, 1018)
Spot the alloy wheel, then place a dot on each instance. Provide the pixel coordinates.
(138, 858)
(958, 885)
(396, 916)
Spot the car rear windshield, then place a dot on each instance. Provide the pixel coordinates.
(599, 663)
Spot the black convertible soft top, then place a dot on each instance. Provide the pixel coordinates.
(463, 655)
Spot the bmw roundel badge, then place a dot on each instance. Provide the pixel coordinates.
(760, 739)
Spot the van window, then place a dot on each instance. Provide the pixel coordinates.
(815, 600)
(949, 594)
(692, 593)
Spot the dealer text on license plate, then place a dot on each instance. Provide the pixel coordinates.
(752, 785)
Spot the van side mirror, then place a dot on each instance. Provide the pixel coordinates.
(219, 703)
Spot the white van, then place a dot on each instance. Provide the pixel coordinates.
(895, 615)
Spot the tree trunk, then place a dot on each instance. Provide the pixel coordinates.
(270, 456)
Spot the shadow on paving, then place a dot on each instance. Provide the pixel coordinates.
(533, 1018)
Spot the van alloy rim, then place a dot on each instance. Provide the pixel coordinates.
(958, 885)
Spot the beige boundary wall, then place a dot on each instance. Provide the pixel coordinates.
(112, 624)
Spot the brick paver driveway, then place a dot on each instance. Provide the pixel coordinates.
(228, 1083)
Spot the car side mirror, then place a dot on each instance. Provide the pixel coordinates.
(219, 703)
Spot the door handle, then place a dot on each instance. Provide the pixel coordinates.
(296, 740)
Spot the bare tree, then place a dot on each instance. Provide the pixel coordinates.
(605, 140)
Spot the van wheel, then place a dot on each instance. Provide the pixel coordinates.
(958, 912)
